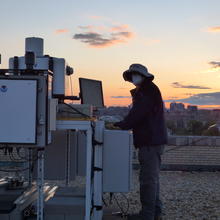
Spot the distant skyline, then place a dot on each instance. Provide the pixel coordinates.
(177, 40)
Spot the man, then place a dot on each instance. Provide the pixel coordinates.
(146, 119)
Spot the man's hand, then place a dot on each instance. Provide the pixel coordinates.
(111, 126)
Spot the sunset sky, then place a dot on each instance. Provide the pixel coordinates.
(179, 42)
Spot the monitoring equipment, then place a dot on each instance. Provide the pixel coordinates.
(91, 92)
(29, 93)
(58, 143)
(26, 108)
(36, 60)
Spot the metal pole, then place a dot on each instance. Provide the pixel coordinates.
(88, 173)
(30, 167)
(98, 189)
(40, 184)
(68, 158)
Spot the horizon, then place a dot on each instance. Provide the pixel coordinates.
(185, 105)
(177, 41)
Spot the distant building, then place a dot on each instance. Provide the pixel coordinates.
(177, 107)
(192, 108)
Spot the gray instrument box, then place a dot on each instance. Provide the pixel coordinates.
(117, 161)
(18, 112)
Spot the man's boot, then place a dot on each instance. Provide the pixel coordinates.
(159, 217)
(135, 216)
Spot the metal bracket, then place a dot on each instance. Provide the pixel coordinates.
(98, 169)
(95, 142)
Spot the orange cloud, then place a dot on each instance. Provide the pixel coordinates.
(60, 31)
(103, 36)
(214, 29)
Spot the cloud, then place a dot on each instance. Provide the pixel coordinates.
(215, 63)
(85, 27)
(214, 29)
(103, 36)
(200, 99)
(173, 97)
(121, 97)
(215, 67)
(179, 85)
(188, 94)
(60, 31)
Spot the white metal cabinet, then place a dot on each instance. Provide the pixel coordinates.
(117, 161)
(18, 111)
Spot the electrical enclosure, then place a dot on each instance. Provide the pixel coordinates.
(25, 110)
(18, 111)
(117, 161)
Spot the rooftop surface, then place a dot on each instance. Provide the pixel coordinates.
(185, 195)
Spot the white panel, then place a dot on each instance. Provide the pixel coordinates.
(117, 161)
(18, 111)
(59, 76)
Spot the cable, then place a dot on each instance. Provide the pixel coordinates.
(124, 213)
(12, 158)
(14, 170)
(35, 157)
(112, 196)
(9, 150)
(104, 202)
(76, 110)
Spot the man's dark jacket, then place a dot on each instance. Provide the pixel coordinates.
(146, 117)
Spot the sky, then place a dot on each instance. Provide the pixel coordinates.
(178, 41)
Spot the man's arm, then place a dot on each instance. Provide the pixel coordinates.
(141, 109)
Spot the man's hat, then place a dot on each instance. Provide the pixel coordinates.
(137, 68)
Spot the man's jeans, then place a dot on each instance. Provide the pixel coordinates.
(150, 161)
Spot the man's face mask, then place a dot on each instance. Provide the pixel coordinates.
(137, 79)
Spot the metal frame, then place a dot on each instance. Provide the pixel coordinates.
(84, 126)
(40, 184)
(67, 174)
(98, 174)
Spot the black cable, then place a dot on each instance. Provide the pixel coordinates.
(27, 159)
(104, 202)
(76, 110)
(11, 156)
(10, 153)
(128, 203)
(124, 213)
(112, 197)
(14, 170)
